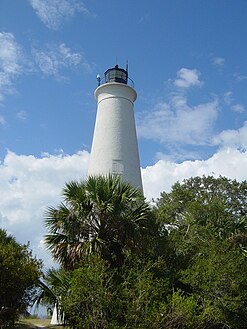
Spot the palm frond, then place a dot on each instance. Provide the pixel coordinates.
(97, 214)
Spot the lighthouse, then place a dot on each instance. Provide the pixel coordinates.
(114, 148)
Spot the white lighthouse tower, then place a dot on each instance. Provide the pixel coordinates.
(114, 148)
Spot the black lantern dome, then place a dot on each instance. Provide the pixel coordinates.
(116, 74)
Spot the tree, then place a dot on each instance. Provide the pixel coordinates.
(19, 271)
(102, 215)
(218, 203)
(207, 223)
(102, 297)
(54, 284)
(217, 276)
(181, 266)
(51, 289)
(89, 301)
(102, 228)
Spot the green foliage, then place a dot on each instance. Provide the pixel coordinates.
(142, 294)
(19, 270)
(181, 311)
(90, 297)
(182, 265)
(207, 229)
(101, 297)
(101, 215)
(217, 276)
(54, 284)
(218, 203)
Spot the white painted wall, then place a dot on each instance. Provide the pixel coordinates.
(114, 147)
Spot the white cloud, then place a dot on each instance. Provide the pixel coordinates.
(233, 138)
(163, 174)
(177, 122)
(219, 62)
(187, 78)
(240, 77)
(68, 56)
(22, 115)
(176, 153)
(54, 58)
(10, 63)
(238, 108)
(29, 185)
(54, 12)
(228, 97)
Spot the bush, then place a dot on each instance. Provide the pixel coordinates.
(18, 272)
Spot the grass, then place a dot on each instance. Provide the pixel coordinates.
(35, 323)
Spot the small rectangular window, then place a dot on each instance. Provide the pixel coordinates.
(117, 167)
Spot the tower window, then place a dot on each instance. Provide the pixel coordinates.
(117, 167)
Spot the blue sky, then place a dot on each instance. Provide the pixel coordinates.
(188, 60)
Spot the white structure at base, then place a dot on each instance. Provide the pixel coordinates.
(114, 148)
(57, 318)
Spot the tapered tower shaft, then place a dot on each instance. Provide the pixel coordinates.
(114, 148)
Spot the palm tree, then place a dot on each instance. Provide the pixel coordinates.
(51, 289)
(102, 215)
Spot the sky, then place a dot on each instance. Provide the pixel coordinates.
(188, 61)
